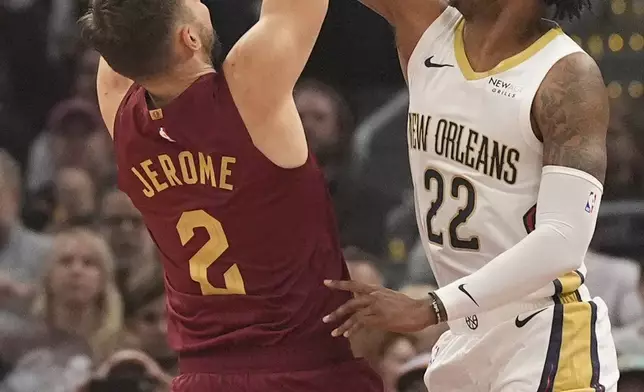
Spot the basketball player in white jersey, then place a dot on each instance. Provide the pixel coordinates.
(507, 146)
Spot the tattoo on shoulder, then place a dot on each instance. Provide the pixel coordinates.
(571, 111)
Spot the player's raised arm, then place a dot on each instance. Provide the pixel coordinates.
(111, 87)
(262, 70)
(273, 53)
(410, 19)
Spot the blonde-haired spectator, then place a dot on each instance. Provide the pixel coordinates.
(79, 294)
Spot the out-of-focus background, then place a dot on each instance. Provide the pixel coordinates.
(79, 279)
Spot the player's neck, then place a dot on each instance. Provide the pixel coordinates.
(492, 36)
(166, 88)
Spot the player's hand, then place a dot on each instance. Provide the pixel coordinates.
(378, 307)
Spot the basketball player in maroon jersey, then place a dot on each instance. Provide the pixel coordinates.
(217, 163)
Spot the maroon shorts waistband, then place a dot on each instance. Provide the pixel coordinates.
(293, 356)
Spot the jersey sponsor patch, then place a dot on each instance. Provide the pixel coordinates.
(590, 204)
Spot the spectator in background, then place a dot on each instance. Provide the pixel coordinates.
(22, 252)
(146, 325)
(625, 171)
(408, 258)
(410, 377)
(84, 82)
(79, 295)
(134, 252)
(395, 351)
(129, 370)
(418, 269)
(629, 340)
(74, 138)
(328, 124)
(75, 196)
(631, 368)
(616, 281)
(62, 365)
(363, 267)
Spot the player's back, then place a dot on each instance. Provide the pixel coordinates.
(245, 244)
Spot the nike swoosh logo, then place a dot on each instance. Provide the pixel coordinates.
(462, 288)
(522, 323)
(430, 64)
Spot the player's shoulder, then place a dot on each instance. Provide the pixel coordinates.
(577, 67)
(573, 79)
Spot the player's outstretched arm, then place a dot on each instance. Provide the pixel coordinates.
(410, 19)
(262, 70)
(571, 111)
(111, 88)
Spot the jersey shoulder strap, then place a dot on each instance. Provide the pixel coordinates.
(439, 34)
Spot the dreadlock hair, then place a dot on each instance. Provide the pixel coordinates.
(569, 9)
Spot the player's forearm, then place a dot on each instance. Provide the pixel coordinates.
(566, 216)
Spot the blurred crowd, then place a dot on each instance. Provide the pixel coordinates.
(82, 303)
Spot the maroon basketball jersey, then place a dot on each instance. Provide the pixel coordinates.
(245, 244)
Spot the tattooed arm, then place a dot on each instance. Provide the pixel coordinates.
(571, 113)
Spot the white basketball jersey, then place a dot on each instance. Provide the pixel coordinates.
(475, 161)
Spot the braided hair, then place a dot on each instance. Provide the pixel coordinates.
(569, 9)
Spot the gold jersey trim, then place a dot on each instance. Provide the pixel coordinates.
(505, 65)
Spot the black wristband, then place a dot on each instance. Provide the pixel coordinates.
(439, 308)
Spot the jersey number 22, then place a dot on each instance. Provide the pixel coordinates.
(462, 215)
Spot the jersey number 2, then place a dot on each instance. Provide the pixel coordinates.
(209, 253)
(462, 215)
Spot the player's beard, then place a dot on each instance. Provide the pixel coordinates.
(210, 43)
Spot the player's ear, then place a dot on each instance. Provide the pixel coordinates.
(190, 38)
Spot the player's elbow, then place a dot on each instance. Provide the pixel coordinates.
(567, 246)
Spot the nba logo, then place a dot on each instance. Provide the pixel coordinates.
(590, 204)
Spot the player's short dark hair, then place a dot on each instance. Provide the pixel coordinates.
(134, 36)
(569, 9)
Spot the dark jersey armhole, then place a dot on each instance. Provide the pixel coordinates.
(126, 98)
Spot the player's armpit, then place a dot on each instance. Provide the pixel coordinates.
(572, 113)
(111, 88)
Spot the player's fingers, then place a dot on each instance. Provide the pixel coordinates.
(355, 328)
(354, 322)
(346, 326)
(350, 285)
(350, 307)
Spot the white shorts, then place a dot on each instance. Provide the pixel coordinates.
(551, 345)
